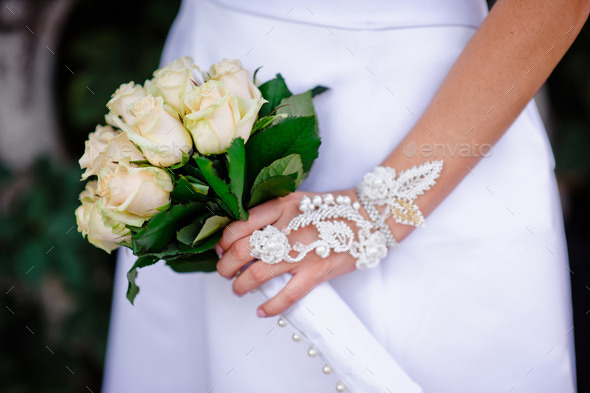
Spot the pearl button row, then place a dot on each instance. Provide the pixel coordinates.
(312, 352)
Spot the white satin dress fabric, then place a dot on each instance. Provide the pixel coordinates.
(477, 301)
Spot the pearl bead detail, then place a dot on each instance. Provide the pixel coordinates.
(312, 352)
(340, 387)
(296, 337)
(321, 251)
(281, 322)
(317, 200)
(326, 369)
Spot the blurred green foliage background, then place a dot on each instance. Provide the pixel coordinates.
(53, 281)
(56, 288)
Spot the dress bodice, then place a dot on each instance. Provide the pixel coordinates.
(368, 14)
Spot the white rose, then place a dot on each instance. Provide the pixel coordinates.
(235, 78)
(119, 148)
(96, 144)
(132, 195)
(173, 82)
(125, 96)
(106, 147)
(215, 117)
(101, 231)
(115, 121)
(157, 130)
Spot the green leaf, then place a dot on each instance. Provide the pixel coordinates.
(175, 248)
(201, 228)
(273, 91)
(170, 250)
(132, 288)
(283, 166)
(211, 226)
(188, 233)
(297, 105)
(200, 246)
(201, 258)
(236, 156)
(198, 186)
(230, 202)
(164, 207)
(189, 189)
(255, 73)
(318, 90)
(161, 228)
(266, 121)
(273, 187)
(193, 170)
(204, 262)
(294, 135)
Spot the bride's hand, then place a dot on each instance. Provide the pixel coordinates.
(311, 271)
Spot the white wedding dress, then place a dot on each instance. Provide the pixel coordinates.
(477, 301)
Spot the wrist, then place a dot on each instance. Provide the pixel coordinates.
(399, 231)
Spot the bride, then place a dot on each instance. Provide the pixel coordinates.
(478, 300)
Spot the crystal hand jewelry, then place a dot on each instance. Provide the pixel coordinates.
(381, 188)
(332, 218)
(271, 245)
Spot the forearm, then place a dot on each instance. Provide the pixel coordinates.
(507, 60)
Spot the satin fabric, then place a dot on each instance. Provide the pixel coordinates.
(329, 328)
(477, 301)
(367, 15)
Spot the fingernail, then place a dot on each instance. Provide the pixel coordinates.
(218, 250)
(260, 312)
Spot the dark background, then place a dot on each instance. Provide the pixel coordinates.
(55, 289)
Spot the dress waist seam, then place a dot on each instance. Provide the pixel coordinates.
(473, 25)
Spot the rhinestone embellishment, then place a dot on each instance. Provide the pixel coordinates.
(332, 217)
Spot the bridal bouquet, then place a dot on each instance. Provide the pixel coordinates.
(187, 153)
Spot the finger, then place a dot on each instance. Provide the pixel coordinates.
(235, 258)
(260, 216)
(257, 274)
(298, 286)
